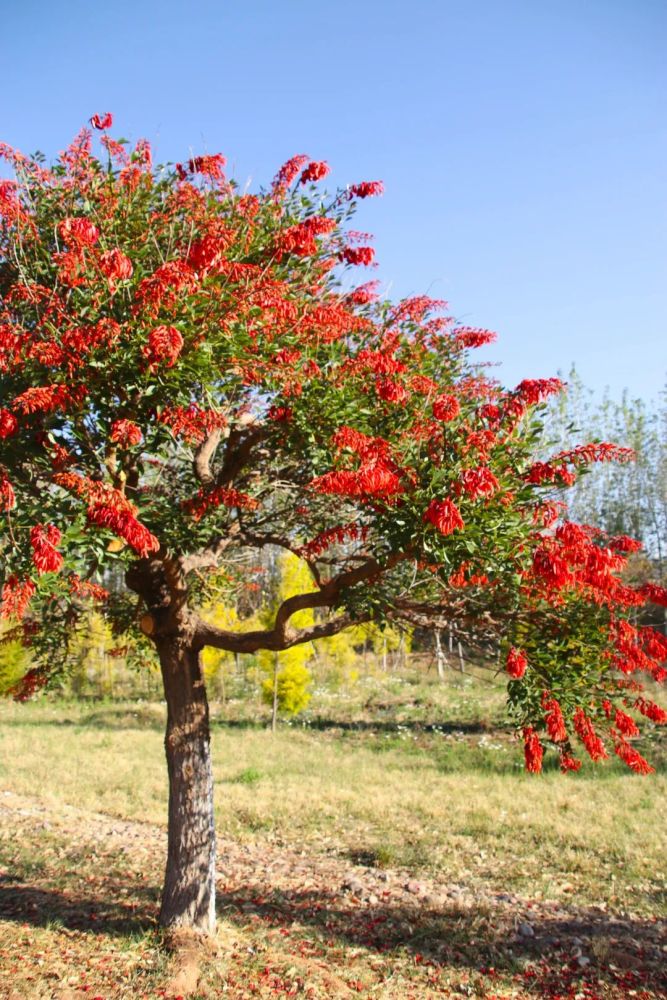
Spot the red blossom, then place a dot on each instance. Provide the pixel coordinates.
(586, 733)
(516, 662)
(652, 711)
(533, 750)
(125, 433)
(45, 556)
(115, 266)
(209, 166)
(126, 526)
(8, 424)
(625, 724)
(479, 482)
(300, 239)
(536, 390)
(446, 407)
(315, 171)
(390, 390)
(206, 500)
(358, 255)
(444, 516)
(102, 122)
(631, 757)
(287, 173)
(7, 497)
(15, 597)
(553, 718)
(469, 336)
(165, 343)
(365, 189)
(655, 594)
(78, 232)
(568, 762)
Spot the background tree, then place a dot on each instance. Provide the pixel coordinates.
(187, 376)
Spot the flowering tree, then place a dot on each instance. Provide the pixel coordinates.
(187, 374)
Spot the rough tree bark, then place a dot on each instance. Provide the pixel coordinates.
(188, 896)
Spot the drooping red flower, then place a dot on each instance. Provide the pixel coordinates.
(209, 166)
(652, 711)
(553, 718)
(536, 390)
(315, 171)
(469, 336)
(479, 482)
(165, 343)
(365, 189)
(444, 516)
(206, 500)
(446, 407)
(15, 597)
(102, 122)
(551, 568)
(300, 238)
(115, 266)
(8, 424)
(45, 555)
(655, 594)
(125, 433)
(78, 232)
(568, 762)
(625, 723)
(631, 757)
(533, 750)
(358, 255)
(390, 390)
(126, 526)
(7, 496)
(586, 733)
(516, 662)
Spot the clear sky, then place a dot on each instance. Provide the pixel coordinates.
(522, 143)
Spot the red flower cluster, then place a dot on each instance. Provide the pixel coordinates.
(206, 500)
(102, 122)
(192, 423)
(470, 336)
(631, 757)
(536, 390)
(115, 266)
(125, 433)
(655, 594)
(8, 424)
(164, 288)
(165, 343)
(86, 588)
(553, 718)
(390, 390)
(365, 189)
(651, 711)
(108, 508)
(444, 516)
(287, 174)
(584, 730)
(446, 407)
(7, 496)
(533, 750)
(300, 239)
(358, 255)
(516, 662)
(15, 597)
(209, 166)
(568, 762)
(315, 171)
(45, 555)
(78, 232)
(479, 482)
(339, 536)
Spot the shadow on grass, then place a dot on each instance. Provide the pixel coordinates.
(621, 952)
(40, 907)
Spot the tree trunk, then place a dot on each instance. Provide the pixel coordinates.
(188, 897)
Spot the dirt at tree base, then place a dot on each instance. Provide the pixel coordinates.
(79, 896)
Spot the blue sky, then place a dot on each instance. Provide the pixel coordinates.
(522, 143)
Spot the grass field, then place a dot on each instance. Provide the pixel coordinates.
(399, 782)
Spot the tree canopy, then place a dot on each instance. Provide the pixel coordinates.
(189, 373)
